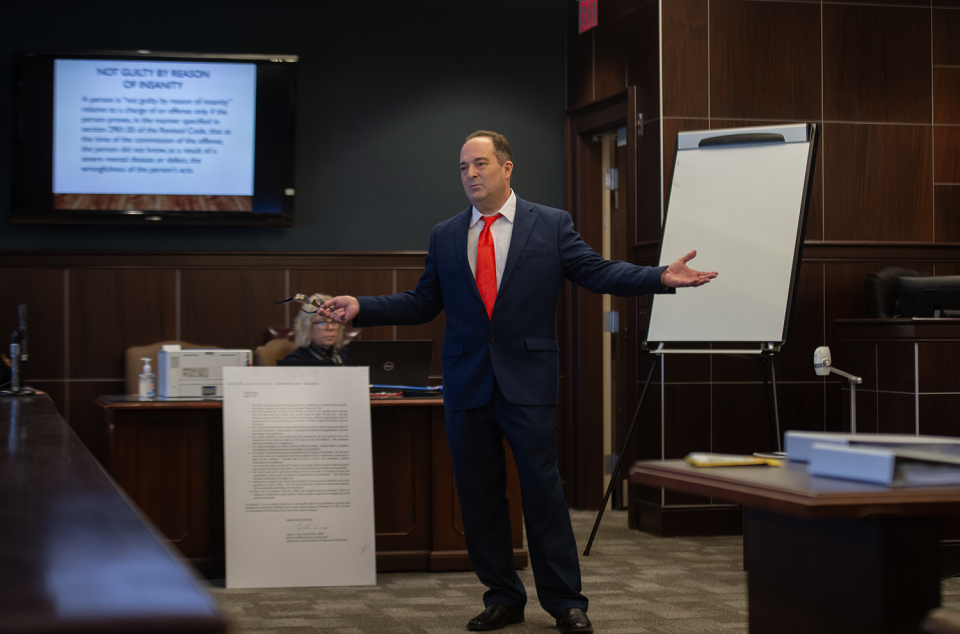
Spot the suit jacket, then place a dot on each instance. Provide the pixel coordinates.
(518, 345)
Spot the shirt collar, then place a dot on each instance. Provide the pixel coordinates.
(509, 210)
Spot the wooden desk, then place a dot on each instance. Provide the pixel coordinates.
(168, 457)
(825, 555)
(75, 556)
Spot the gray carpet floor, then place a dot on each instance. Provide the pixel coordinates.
(636, 584)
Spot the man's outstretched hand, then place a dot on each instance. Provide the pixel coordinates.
(342, 308)
(679, 274)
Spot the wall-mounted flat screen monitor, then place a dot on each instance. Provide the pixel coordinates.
(934, 296)
(154, 138)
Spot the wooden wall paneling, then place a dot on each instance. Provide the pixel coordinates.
(643, 58)
(207, 260)
(727, 368)
(895, 367)
(685, 368)
(687, 427)
(613, 10)
(802, 405)
(869, 195)
(42, 292)
(838, 409)
(859, 359)
(627, 390)
(946, 142)
(647, 228)
(611, 40)
(686, 90)
(947, 268)
(624, 343)
(349, 281)
(939, 366)
(646, 441)
(433, 330)
(648, 437)
(876, 64)
(738, 418)
(896, 413)
(580, 69)
(111, 310)
(938, 415)
(806, 326)
(946, 95)
(759, 68)
(374, 281)
(946, 25)
(588, 375)
(815, 212)
(910, 3)
(229, 308)
(400, 454)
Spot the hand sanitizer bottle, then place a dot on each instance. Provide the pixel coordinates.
(147, 386)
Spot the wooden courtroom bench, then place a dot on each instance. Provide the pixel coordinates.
(75, 555)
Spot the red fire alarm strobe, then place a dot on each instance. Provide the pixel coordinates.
(588, 15)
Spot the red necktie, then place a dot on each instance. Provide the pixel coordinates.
(487, 265)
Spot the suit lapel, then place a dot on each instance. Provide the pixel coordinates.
(460, 242)
(523, 222)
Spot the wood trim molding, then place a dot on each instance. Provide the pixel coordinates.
(413, 260)
(828, 251)
(597, 115)
(211, 260)
(880, 251)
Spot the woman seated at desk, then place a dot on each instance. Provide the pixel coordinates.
(320, 341)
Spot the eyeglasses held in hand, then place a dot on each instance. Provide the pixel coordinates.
(308, 305)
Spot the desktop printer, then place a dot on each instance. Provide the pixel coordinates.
(196, 372)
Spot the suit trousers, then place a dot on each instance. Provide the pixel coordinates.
(476, 439)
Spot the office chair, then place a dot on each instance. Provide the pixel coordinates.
(940, 621)
(270, 352)
(880, 291)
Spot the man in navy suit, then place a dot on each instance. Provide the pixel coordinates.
(500, 370)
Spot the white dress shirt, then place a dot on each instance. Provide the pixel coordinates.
(501, 231)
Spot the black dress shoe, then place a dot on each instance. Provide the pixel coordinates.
(495, 617)
(574, 620)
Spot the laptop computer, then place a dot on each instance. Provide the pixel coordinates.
(393, 363)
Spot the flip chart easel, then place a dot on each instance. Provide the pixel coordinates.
(740, 197)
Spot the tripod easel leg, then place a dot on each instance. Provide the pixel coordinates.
(623, 451)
